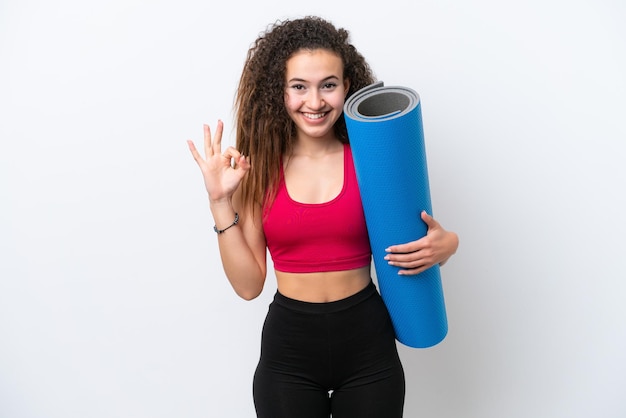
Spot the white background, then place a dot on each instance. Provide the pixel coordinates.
(112, 298)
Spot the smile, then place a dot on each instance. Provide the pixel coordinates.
(314, 115)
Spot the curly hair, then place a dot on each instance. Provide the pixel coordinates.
(264, 130)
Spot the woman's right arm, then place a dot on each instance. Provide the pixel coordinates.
(242, 247)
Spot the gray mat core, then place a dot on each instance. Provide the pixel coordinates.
(384, 104)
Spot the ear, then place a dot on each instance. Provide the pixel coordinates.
(346, 86)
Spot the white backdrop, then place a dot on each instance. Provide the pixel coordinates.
(112, 298)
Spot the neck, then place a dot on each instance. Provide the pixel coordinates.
(316, 147)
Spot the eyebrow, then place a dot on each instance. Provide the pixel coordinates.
(330, 77)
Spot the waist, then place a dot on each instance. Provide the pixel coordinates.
(321, 287)
(326, 307)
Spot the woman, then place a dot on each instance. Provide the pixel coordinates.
(289, 186)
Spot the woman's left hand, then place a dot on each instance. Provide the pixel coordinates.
(416, 256)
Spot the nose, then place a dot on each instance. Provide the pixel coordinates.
(315, 100)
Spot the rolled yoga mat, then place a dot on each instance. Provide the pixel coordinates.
(387, 140)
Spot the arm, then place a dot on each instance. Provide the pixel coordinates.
(435, 248)
(242, 247)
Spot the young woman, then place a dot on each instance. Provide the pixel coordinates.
(289, 185)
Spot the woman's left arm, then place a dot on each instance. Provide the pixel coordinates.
(435, 248)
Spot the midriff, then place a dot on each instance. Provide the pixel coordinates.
(322, 287)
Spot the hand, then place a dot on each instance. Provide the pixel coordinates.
(417, 256)
(221, 176)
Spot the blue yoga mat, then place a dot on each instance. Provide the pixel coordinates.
(386, 135)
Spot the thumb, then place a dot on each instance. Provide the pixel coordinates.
(429, 220)
(244, 163)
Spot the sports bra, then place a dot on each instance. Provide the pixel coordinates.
(317, 237)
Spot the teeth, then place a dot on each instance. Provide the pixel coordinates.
(314, 115)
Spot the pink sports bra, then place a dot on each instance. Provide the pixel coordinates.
(316, 237)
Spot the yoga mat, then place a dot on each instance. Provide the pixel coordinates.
(387, 140)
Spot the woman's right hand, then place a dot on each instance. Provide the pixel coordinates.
(222, 172)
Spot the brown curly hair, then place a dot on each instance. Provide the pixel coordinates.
(264, 130)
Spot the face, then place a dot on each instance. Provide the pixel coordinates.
(315, 92)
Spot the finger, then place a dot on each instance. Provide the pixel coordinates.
(208, 151)
(429, 220)
(237, 159)
(244, 163)
(231, 155)
(239, 162)
(403, 259)
(412, 272)
(412, 260)
(194, 151)
(408, 247)
(408, 264)
(232, 152)
(414, 266)
(217, 140)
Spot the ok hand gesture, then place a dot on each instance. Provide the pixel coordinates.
(222, 172)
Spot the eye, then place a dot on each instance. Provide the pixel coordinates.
(298, 87)
(329, 86)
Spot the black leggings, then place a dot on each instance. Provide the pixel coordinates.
(337, 358)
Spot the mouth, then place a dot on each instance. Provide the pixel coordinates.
(314, 116)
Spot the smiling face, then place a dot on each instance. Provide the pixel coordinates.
(315, 92)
